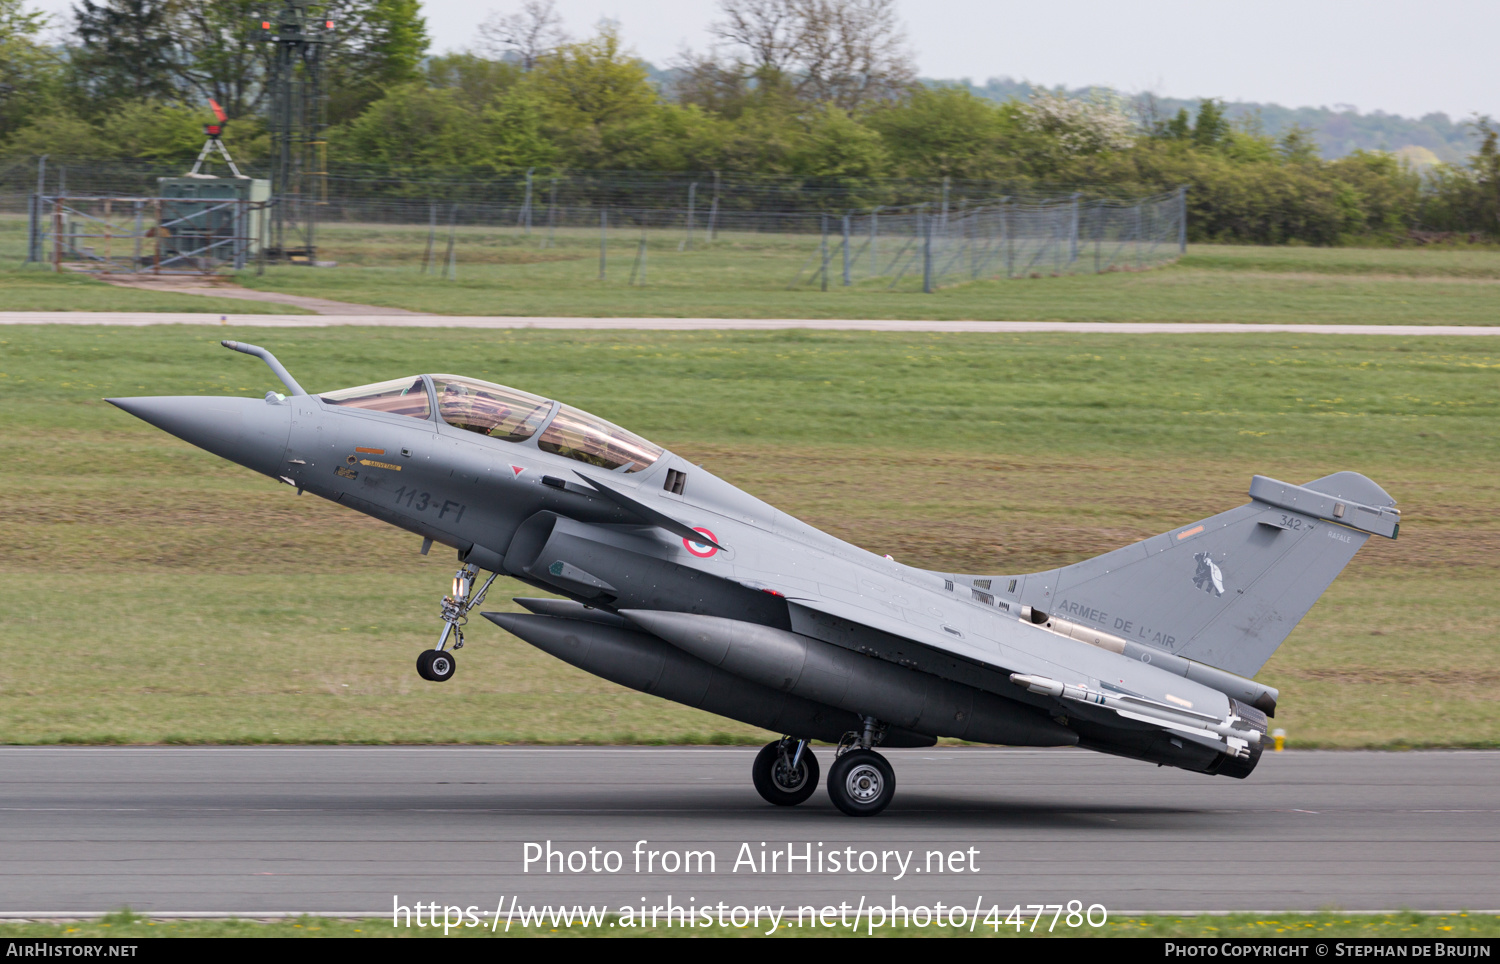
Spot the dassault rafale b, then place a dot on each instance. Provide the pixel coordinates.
(675, 583)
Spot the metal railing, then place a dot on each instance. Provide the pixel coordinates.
(134, 235)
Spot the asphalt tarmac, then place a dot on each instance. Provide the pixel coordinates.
(356, 830)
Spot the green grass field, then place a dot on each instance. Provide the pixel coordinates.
(154, 593)
(746, 275)
(127, 926)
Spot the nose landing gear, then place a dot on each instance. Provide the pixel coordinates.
(438, 664)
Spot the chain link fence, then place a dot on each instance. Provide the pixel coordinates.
(641, 227)
(1006, 237)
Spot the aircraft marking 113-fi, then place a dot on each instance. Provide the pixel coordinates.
(678, 584)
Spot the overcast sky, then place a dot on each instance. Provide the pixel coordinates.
(1405, 57)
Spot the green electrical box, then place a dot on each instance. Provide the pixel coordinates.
(207, 220)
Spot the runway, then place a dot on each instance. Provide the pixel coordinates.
(138, 319)
(350, 830)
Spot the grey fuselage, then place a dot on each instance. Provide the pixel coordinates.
(767, 608)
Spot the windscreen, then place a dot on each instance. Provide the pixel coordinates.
(579, 435)
(489, 409)
(401, 396)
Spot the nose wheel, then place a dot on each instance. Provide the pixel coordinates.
(436, 665)
(785, 772)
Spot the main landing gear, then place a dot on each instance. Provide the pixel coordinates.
(438, 664)
(785, 772)
(861, 782)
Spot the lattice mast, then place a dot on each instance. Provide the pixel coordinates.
(298, 116)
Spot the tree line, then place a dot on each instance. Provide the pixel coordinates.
(824, 90)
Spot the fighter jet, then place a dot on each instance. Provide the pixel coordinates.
(669, 580)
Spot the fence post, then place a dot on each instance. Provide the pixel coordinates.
(927, 254)
(847, 252)
(1182, 219)
(603, 239)
(692, 202)
(265, 219)
(452, 251)
(34, 252)
(552, 215)
(945, 202)
(713, 212)
(526, 204)
(31, 227)
(823, 251)
(1098, 234)
(57, 223)
(135, 262)
(874, 237)
(428, 265)
(970, 236)
(1005, 239)
(1073, 247)
(1140, 234)
(638, 270)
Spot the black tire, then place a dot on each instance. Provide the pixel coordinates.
(441, 667)
(776, 784)
(861, 783)
(437, 665)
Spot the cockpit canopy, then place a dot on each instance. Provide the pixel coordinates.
(492, 410)
(399, 396)
(506, 414)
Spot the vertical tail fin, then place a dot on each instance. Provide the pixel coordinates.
(1226, 590)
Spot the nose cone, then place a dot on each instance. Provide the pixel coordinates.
(250, 431)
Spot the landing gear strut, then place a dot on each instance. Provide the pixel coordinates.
(438, 664)
(785, 772)
(861, 782)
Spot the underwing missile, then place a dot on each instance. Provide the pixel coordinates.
(1249, 691)
(1237, 739)
(791, 663)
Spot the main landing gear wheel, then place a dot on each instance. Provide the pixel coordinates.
(861, 783)
(777, 780)
(436, 665)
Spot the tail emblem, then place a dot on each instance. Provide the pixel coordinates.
(1209, 577)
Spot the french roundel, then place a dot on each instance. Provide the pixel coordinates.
(699, 549)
